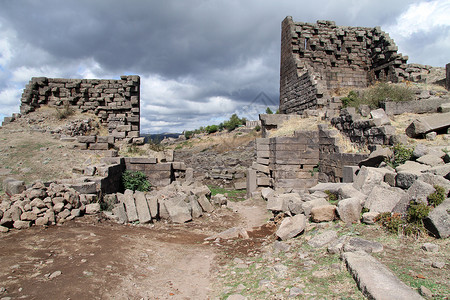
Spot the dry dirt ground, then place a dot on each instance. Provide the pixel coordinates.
(100, 259)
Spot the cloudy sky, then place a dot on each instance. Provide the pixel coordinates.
(199, 60)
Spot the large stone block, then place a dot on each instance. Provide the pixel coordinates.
(349, 210)
(178, 209)
(291, 227)
(130, 206)
(383, 199)
(438, 220)
(142, 208)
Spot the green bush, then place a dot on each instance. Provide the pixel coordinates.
(212, 128)
(376, 94)
(392, 222)
(333, 198)
(436, 198)
(417, 212)
(401, 155)
(188, 134)
(269, 111)
(135, 181)
(257, 128)
(351, 100)
(233, 122)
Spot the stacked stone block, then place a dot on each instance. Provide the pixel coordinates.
(299, 162)
(93, 142)
(363, 131)
(115, 102)
(322, 57)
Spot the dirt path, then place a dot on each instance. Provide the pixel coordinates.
(92, 258)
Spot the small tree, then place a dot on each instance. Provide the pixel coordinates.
(269, 111)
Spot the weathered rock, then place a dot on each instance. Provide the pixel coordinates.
(369, 217)
(430, 160)
(196, 209)
(58, 207)
(76, 212)
(152, 202)
(438, 220)
(337, 245)
(119, 211)
(36, 193)
(420, 150)
(418, 192)
(323, 239)
(436, 180)
(291, 227)
(130, 206)
(4, 229)
(92, 208)
(231, 233)
(349, 210)
(28, 216)
(327, 186)
(435, 122)
(377, 157)
(219, 199)
(142, 207)
(266, 192)
(375, 280)
(324, 213)
(309, 205)
(12, 186)
(443, 171)
(348, 191)
(14, 213)
(383, 199)
(205, 204)
(381, 115)
(38, 203)
(178, 210)
(367, 178)
(430, 247)
(22, 224)
(358, 244)
(42, 221)
(278, 203)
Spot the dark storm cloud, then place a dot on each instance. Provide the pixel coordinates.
(199, 60)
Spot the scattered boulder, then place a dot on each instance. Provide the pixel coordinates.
(367, 178)
(369, 217)
(92, 209)
(323, 239)
(430, 247)
(377, 157)
(358, 244)
(438, 220)
(291, 227)
(383, 199)
(323, 213)
(349, 210)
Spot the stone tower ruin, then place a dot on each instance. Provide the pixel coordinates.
(317, 59)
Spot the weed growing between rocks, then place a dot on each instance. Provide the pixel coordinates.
(376, 94)
(135, 181)
(401, 155)
(232, 195)
(411, 224)
(65, 112)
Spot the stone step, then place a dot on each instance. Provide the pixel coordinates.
(375, 280)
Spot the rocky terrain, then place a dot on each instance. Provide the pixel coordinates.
(279, 244)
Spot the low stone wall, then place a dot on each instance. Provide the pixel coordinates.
(376, 131)
(114, 102)
(299, 162)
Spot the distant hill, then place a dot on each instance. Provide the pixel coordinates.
(158, 137)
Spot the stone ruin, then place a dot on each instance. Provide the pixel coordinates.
(317, 59)
(114, 102)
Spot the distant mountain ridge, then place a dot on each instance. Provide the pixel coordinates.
(158, 137)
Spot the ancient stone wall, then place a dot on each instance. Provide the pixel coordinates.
(319, 58)
(115, 102)
(301, 161)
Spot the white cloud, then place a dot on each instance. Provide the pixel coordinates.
(9, 103)
(423, 32)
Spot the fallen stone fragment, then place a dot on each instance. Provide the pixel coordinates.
(349, 210)
(425, 292)
(178, 210)
(92, 208)
(359, 244)
(430, 247)
(291, 227)
(383, 199)
(119, 211)
(231, 233)
(205, 204)
(142, 208)
(323, 239)
(54, 274)
(375, 280)
(4, 229)
(21, 224)
(130, 206)
(324, 213)
(438, 220)
(369, 217)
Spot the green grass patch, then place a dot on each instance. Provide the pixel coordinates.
(232, 195)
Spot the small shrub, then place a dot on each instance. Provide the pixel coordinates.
(65, 112)
(351, 100)
(269, 111)
(333, 198)
(391, 222)
(436, 198)
(135, 181)
(188, 134)
(401, 155)
(417, 212)
(155, 146)
(257, 128)
(212, 129)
